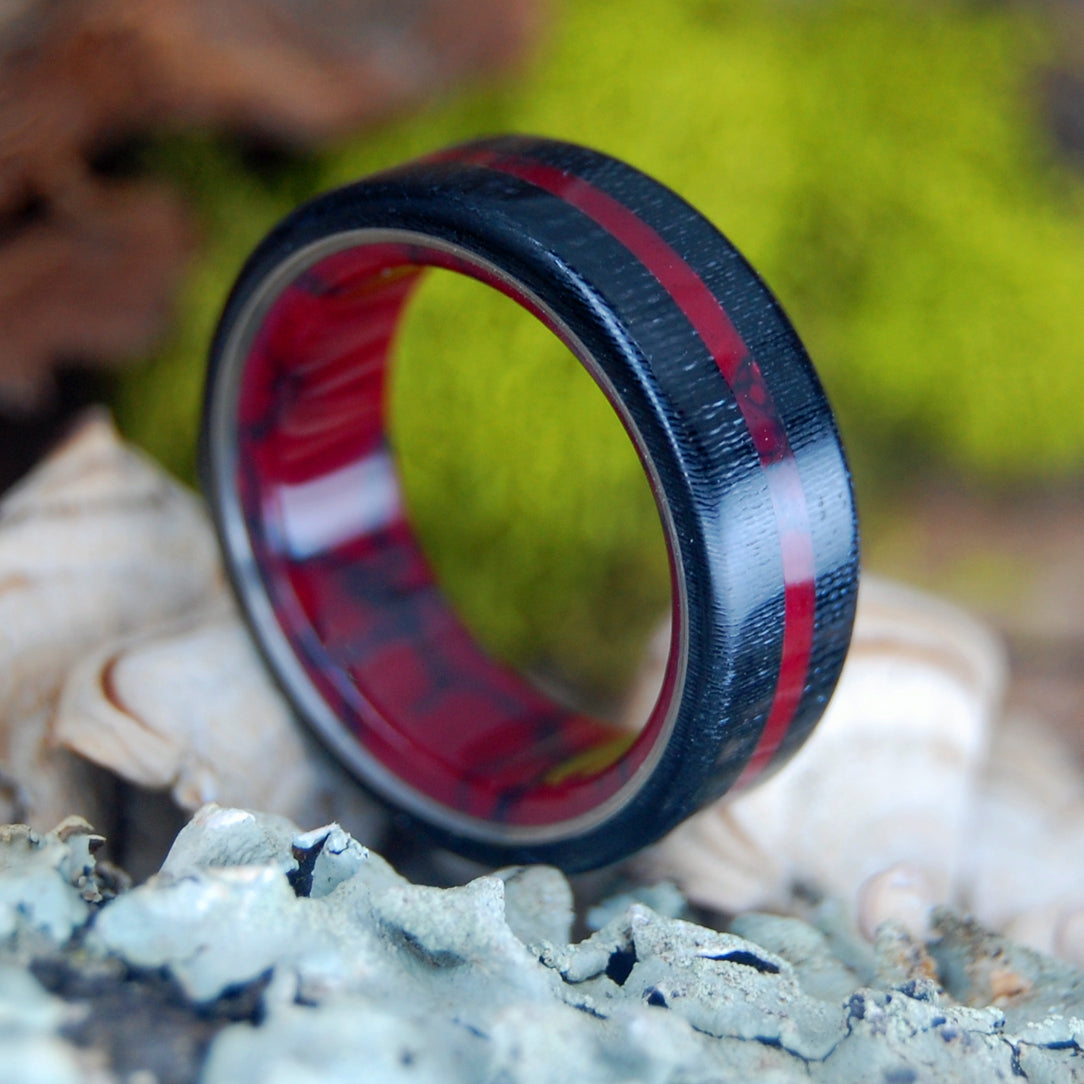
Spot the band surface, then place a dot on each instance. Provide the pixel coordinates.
(716, 393)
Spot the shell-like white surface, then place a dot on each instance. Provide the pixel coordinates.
(189, 707)
(914, 791)
(886, 782)
(95, 542)
(119, 643)
(120, 646)
(1024, 869)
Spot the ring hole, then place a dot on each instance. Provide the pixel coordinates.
(389, 669)
(529, 498)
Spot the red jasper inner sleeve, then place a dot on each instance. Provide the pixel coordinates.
(721, 403)
(350, 584)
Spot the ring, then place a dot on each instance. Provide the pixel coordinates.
(719, 399)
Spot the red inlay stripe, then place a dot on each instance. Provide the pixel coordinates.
(742, 374)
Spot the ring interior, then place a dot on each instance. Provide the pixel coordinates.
(352, 590)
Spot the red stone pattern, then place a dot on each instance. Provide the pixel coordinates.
(755, 401)
(351, 587)
(357, 598)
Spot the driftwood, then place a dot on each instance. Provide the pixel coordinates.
(88, 264)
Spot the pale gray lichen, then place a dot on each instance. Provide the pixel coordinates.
(47, 880)
(538, 905)
(352, 970)
(30, 1050)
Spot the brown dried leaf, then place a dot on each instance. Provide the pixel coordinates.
(91, 280)
(87, 268)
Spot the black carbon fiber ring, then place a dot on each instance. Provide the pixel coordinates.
(721, 403)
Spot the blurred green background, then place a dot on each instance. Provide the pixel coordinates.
(886, 167)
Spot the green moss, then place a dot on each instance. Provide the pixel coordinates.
(882, 166)
(236, 202)
(525, 488)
